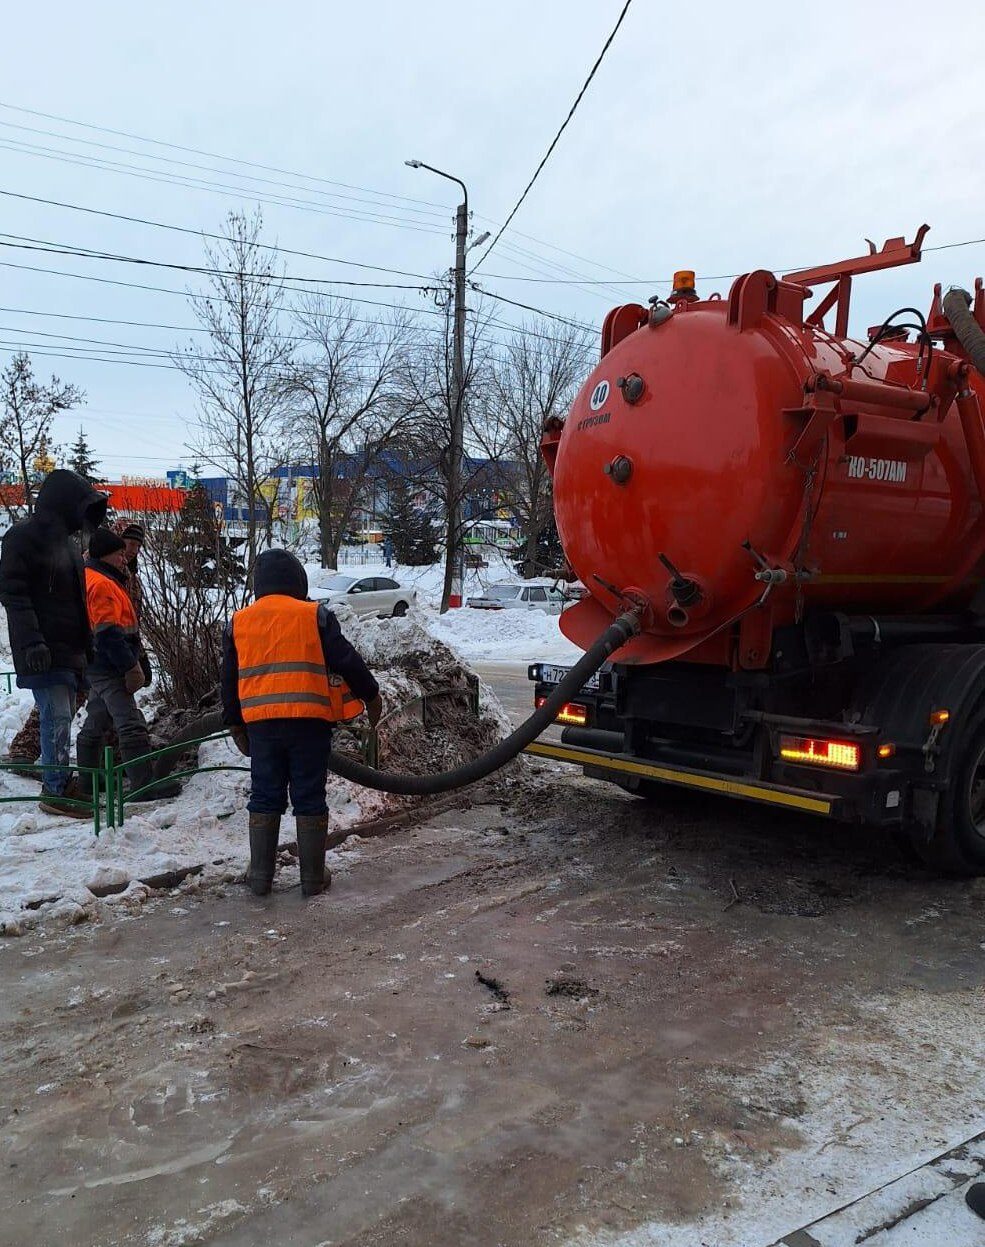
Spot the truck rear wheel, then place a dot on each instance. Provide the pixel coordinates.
(958, 843)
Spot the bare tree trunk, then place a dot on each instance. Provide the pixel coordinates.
(530, 555)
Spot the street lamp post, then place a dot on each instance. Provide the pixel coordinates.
(451, 594)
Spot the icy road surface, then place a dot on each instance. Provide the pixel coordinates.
(542, 1020)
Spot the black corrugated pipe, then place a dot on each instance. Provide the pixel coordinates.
(957, 309)
(616, 635)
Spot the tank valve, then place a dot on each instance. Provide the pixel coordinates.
(632, 387)
(660, 310)
(685, 592)
(620, 469)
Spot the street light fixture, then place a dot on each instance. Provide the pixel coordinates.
(454, 555)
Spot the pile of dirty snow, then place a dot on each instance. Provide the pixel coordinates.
(53, 868)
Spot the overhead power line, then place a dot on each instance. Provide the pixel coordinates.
(46, 247)
(172, 179)
(429, 208)
(130, 151)
(187, 294)
(186, 229)
(555, 140)
(527, 307)
(197, 151)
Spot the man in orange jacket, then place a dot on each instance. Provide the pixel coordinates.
(288, 676)
(115, 673)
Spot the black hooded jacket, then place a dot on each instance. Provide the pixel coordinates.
(42, 585)
(279, 572)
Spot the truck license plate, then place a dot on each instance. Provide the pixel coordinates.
(554, 675)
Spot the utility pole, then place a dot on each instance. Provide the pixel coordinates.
(454, 565)
(451, 593)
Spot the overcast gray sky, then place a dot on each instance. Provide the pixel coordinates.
(717, 136)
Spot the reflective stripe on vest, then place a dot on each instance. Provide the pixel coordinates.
(282, 673)
(109, 604)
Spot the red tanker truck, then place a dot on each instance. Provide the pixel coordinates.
(798, 519)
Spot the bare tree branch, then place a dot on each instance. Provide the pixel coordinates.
(27, 409)
(346, 405)
(535, 379)
(239, 373)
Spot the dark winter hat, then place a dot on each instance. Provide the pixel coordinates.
(133, 532)
(72, 499)
(104, 541)
(278, 571)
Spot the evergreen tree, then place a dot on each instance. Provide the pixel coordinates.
(549, 554)
(199, 548)
(409, 528)
(80, 459)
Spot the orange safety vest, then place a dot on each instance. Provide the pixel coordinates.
(282, 672)
(110, 606)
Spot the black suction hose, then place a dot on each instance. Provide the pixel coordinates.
(616, 635)
(957, 309)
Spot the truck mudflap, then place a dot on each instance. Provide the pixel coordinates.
(624, 769)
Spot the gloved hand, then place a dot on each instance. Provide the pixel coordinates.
(37, 658)
(374, 710)
(241, 739)
(133, 679)
(146, 668)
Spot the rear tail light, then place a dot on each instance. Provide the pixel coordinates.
(572, 712)
(837, 755)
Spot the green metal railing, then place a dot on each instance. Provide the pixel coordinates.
(109, 798)
(116, 771)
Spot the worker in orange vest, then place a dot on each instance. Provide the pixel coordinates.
(115, 672)
(288, 676)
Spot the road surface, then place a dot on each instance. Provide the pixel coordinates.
(556, 1015)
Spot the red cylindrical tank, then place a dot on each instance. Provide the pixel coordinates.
(731, 463)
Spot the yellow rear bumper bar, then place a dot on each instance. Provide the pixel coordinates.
(786, 797)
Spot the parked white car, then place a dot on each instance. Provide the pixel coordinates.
(366, 595)
(520, 596)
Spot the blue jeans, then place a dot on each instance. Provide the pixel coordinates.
(289, 754)
(56, 710)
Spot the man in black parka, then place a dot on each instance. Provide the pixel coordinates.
(42, 589)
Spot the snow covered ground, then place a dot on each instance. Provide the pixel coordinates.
(50, 868)
(502, 636)
(478, 635)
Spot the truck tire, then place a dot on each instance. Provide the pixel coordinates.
(958, 844)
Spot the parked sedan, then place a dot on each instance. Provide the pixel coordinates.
(366, 595)
(519, 596)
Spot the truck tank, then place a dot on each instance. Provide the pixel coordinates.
(730, 464)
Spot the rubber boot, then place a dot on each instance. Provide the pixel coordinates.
(264, 831)
(312, 837)
(140, 774)
(974, 1197)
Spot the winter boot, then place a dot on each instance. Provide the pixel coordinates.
(140, 774)
(974, 1197)
(312, 837)
(264, 830)
(67, 804)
